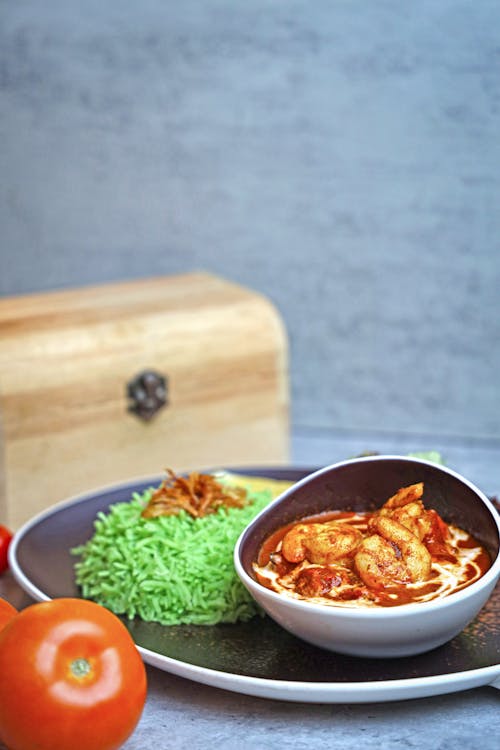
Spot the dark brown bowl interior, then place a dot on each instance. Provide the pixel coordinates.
(366, 484)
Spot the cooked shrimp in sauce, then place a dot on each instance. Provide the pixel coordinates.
(399, 554)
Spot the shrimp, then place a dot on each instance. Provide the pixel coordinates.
(320, 543)
(407, 508)
(318, 581)
(415, 518)
(404, 496)
(392, 555)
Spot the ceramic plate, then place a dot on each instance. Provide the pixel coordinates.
(258, 657)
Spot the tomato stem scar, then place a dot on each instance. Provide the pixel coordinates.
(80, 667)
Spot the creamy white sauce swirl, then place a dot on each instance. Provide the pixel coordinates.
(446, 577)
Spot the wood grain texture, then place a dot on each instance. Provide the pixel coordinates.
(65, 360)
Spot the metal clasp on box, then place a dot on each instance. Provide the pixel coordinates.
(147, 393)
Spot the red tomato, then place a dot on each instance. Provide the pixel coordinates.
(71, 677)
(7, 612)
(5, 540)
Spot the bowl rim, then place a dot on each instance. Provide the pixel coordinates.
(489, 578)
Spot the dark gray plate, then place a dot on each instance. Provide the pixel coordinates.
(257, 657)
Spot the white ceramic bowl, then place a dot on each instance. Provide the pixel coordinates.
(365, 484)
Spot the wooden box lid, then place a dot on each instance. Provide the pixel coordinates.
(67, 359)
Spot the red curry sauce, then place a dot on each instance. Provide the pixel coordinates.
(456, 563)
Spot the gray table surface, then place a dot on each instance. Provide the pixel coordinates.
(182, 714)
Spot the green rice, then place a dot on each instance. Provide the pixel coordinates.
(171, 569)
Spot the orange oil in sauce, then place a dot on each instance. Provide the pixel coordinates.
(450, 572)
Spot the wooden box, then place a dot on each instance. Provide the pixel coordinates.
(71, 364)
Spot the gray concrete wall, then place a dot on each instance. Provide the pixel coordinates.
(340, 157)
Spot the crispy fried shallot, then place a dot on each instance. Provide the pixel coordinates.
(197, 494)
